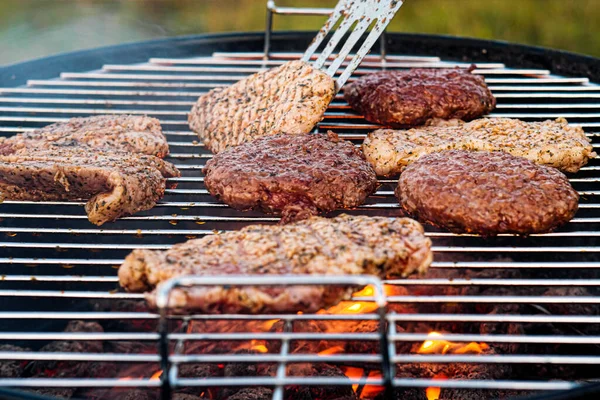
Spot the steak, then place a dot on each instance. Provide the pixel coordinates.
(487, 193)
(136, 134)
(114, 183)
(386, 247)
(296, 176)
(291, 98)
(409, 98)
(553, 143)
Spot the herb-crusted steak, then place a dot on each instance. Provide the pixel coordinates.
(486, 193)
(410, 98)
(114, 183)
(289, 99)
(133, 133)
(553, 143)
(297, 176)
(386, 247)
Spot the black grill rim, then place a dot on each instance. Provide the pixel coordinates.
(447, 47)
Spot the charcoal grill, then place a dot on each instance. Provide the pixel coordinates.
(55, 265)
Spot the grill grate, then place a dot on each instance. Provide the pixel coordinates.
(69, 262)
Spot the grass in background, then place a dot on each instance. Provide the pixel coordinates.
(35, 28)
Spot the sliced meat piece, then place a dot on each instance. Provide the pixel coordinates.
(553, 143)
(289, 99)
(137, 134)
(409, 98)
(114, 183)
(486, 193)
(386, 247)
(297, 176)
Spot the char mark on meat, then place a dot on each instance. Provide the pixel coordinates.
(291, 99)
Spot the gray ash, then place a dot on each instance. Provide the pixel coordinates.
(12, 369)
(255, 393)
(317, 392)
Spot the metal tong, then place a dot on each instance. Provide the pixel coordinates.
(358, 15)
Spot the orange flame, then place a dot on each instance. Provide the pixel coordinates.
(368, 391)
(433, 393)
(358, 307)
(368, 291)
(258, 346)
(446, 347)
(331, 350)
(156, 376)
(436, 346)
(269, 324)
(354, 373)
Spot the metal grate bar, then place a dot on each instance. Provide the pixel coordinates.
(58, 235)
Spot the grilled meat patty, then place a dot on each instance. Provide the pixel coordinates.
(553, 143)
(296, 176)
(114, 183)
(410, 98)
(386, 247)
(137, 134)
(486, 193)
(290, 99)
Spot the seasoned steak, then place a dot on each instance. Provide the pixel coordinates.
(289, 99)
(386, 247)
(137, 134)
(114, 183)
(410, 98)
(553, 143)
(296, 176)
(486, 193)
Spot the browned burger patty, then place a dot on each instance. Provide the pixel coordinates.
(296, 176)
(345, 245)
(410, 98)
(486, 193)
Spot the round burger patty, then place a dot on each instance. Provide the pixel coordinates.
(296, 176)
(408, 98)
(486, 193)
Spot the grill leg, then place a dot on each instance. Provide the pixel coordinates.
(163, 350)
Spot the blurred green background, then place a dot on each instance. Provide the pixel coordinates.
(36, 28)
